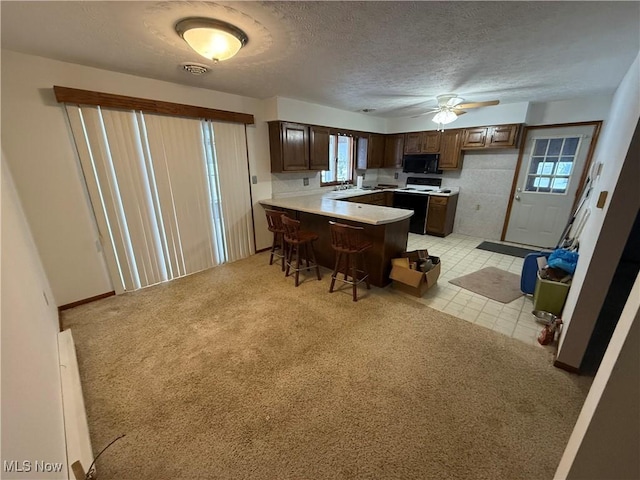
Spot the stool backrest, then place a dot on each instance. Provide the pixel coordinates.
(274, 221)
(291, 229)
(345, 238)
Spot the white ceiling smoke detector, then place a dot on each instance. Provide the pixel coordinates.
(195, 68)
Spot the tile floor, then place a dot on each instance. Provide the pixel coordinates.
(459, 256)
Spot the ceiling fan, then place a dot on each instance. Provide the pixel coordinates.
(450, 107)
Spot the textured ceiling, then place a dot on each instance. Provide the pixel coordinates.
(391, 56)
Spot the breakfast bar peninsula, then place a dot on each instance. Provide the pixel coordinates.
(387, 228)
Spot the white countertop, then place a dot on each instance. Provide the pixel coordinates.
(329, 205)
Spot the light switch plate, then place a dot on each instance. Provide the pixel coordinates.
(395, 175)
(602, 199)
(305, 182)
(254, 179)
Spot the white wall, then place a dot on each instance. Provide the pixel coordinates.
(495, 115)
(606, 438)
(606, 231)
(40, 150)
(569, 111)
(485, 184)
(32, 421)
(310, 113)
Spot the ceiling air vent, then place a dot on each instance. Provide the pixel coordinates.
(195, 68)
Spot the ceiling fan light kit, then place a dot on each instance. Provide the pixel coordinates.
(214, 39)
(444, 117)
(450, 107)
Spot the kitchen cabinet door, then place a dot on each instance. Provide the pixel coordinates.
(441, 215)
(422, 142)
(289, 146)
(431, 142)
(319, 158)
(450, 152)
(393, 151)
(474, 137)
(375, 152)
(413, 143)
(503, 136)
(436, 218)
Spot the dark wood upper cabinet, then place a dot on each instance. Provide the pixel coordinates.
(503, 136)
(375, 155)
(289, 146)
(319, 157)
(413, 143)
(431, 142)
(474, 137)
(393, 150)
(499, 136)
(450, 151)
(422, 142)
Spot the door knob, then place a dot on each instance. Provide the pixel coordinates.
(518, 197)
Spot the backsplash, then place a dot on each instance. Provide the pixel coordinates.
(292, 184)
(484, 182)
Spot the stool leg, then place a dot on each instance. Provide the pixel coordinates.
(273, 247)
(335, 271)
(346, 267)
(306, 253)
(283, 246)
(289, 258)
(354, 276)
(365, 271)
(313, 259)
(297, 263)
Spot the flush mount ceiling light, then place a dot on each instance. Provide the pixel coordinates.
(215, 40)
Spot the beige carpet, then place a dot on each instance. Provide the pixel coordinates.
(233, 373)
(491, 282)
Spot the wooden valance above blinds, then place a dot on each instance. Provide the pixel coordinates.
(109, 100)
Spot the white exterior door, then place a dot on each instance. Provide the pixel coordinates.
(552, 164)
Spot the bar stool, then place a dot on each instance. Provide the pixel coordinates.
(274, 223)
(295, 239)
(349, 241)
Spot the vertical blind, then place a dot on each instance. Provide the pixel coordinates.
(170, 194)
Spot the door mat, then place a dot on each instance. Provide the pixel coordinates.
(506, 249)
(491, 282)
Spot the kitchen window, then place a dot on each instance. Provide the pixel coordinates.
(551, 164)
(340, 161)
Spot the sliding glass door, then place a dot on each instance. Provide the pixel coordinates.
(154, 182)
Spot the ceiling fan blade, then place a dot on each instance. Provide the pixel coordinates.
(459, 112)
(426, 113)
(478, 104)
(454, 102)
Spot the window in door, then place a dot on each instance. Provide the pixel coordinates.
(551, 164)
(340, 161)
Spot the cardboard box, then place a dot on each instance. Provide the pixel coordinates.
(411, 280)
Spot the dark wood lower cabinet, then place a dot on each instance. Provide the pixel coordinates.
(384, 199)
(441, 215)
(389, 241)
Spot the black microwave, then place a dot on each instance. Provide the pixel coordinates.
(421, 163)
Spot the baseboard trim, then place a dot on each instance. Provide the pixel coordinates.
(76, 426)
(566, 367)
(263, 250)
(86, 300)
